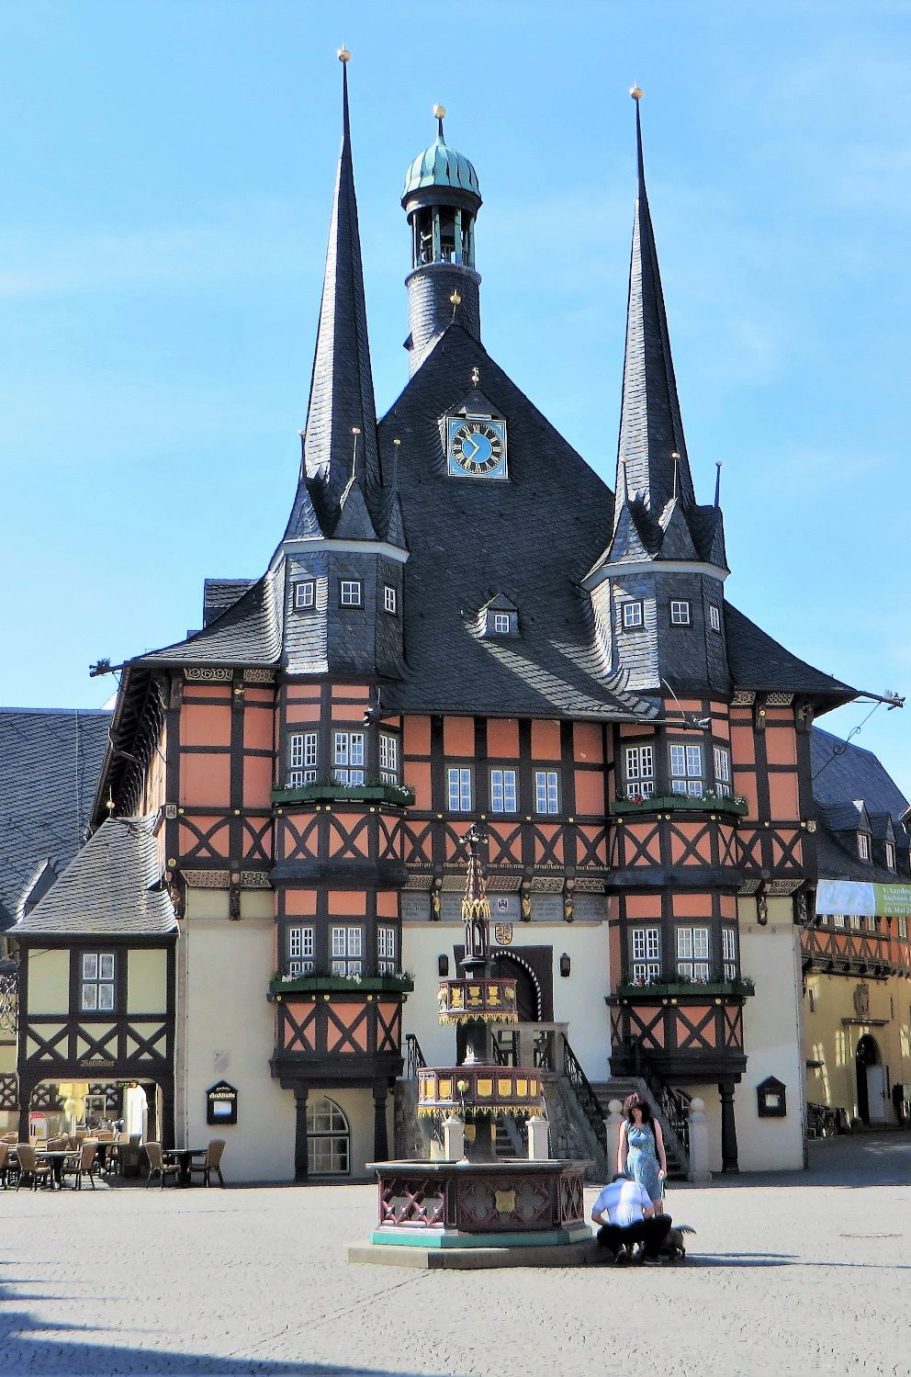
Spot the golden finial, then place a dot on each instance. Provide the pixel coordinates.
(343, 54)
(636, 92)
(475, 375)
(439, 112)
(456, 299)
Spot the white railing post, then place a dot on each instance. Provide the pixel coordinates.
(613, 1126)
(453, 1138)
(699, 1142)
(538, 1139)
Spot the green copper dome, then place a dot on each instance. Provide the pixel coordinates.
(440, 165)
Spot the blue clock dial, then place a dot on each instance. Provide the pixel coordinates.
(477, 447)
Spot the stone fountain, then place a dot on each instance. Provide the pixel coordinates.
(471, 1208)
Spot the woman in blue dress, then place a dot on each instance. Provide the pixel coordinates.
(641, 1151)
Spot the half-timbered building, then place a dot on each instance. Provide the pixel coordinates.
(461, 622)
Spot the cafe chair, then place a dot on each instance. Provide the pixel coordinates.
(85, 1165)
(159, 1167)
(5, 1165)
(211, 1162)
(31, 1167)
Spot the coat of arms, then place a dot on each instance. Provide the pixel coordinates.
(503, 934)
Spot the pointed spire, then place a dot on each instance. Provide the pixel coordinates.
(652, 449)
(341, 388)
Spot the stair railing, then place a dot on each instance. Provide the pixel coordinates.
(414, 1057)
(673, 1103)
(585, 1094)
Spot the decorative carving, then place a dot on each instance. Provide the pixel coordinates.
(255, 879)
(203, 674)
(234, 903)
(587, 886)
(862, 1000)
(259, 676)
(779, 700)
(743, 698)
(543, 884)
(207, 879)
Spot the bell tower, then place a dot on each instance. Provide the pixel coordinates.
(441, 200)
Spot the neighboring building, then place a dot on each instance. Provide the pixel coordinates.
(50, 760)
(460, 622)
(856, 956)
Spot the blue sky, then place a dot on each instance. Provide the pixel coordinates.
(167, 177)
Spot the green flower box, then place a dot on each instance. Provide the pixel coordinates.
(661, 989)
(328, 792)
(367, 984)
(682, 803)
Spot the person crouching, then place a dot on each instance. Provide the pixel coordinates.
(632, 1219)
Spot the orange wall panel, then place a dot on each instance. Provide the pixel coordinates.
(416, 734)
(783, 796)
(205, 779)
(351, 903)
(781, 746)
(643, 906)
(302, 713)
(207, 691)
(588, 742)
(201, 725)
(589, 791)
(387, 903)
(417, 775)
(303, 693)
(502, 736)
(257, 781)
(692, 906)
(300, 903)
(545, 740)
(346, 1014)
(344, 693)
(743, 746)
(258, 727)
(458, 735)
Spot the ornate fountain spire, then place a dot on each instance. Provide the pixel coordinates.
(476, 906)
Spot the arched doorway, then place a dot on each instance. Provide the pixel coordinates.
(867, 1054)
(529, 1001)
(328, 1139)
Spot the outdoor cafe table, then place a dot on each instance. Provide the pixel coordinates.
(56, 1160)
(183, 1157)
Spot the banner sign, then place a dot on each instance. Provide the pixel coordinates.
(869, 900)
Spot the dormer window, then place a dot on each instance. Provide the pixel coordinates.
(863, 846)
(501, 622)
(632, 614)
(305, 595)
(351, 593)
(890, 855)
(680, 612)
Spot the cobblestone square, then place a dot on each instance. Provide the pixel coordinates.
(791, 1274)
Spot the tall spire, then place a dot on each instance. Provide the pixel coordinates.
(341, 387)
(652, 449)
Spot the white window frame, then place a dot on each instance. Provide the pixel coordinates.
(351, 592)
(722, 762)
(901, 927)
(389, 758)
(890, 855)
(301, 949)
(390, 599)
(715, 616)
(645, 954)
(347, 947)
(459, 788)
(328, 1139)
(838, 920)
(305, 595)
(501, 623)
(687, 772)
(547, 792)
(729, 952)
(303, 755)
(639, 769)
(863, 846)
(633, 614)
(386, 950)
(349, 757)
(681, 613)
(693, 949)
(504, 790)
(97, 982)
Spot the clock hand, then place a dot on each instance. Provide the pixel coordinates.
(470, 441)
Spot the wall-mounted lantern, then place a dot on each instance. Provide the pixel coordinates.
(443, 965)
(565, 965)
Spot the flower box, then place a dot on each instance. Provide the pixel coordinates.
(661, 989)
(329, 792)
(733, 805)
(365, 984)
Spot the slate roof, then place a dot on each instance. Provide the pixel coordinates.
(533, 537)
(757, 661)
(50, 760)
(843, 772)
(111, 889)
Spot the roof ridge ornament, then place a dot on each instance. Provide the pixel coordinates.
(439, 114)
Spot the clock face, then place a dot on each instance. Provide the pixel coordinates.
(476, 447)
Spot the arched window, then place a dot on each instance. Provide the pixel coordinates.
(328, 1139)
